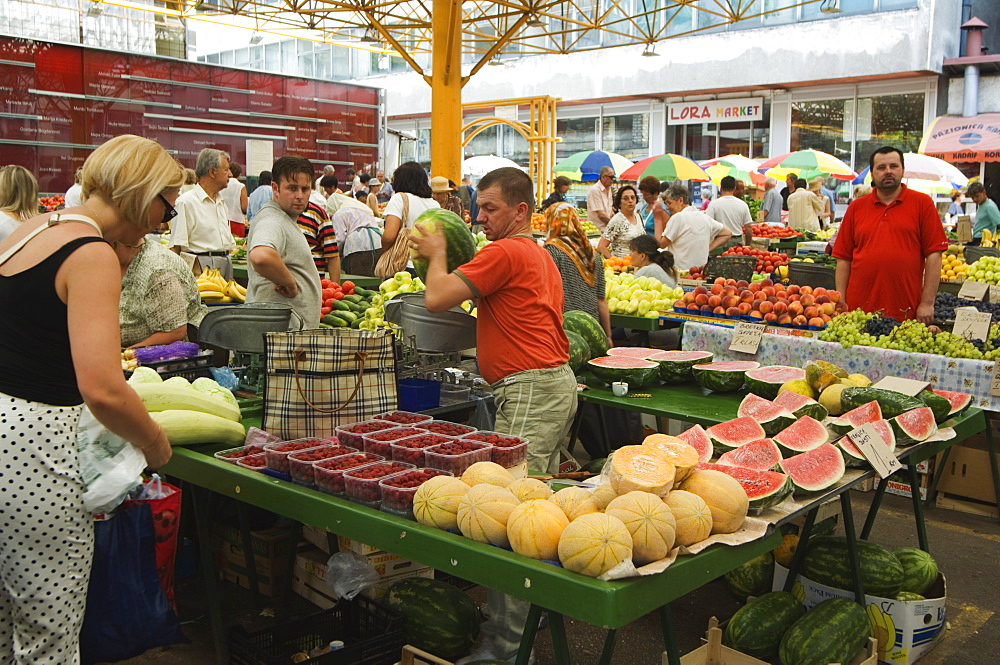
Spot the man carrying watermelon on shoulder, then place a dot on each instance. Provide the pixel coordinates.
(522, 349)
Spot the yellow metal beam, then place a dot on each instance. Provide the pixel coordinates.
(446, 90)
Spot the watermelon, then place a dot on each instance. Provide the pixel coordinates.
(938, 404)
(438, 617)
(804, 434)
(959, 401)
(589, 329)
(801, 405)
(723, 377)
(757, 627)
(763, 488)
(826, 562)
(766, 380)
(698, 438)
(815, 470)
(734, 433)
(636, 373)
(579, 350)
(853, 457)
(832, 632)
(909, 597)
(855, 418)
(639, 352)
(675, 366)
(760, 455)
(752, 578)
(461, 242)
(773, 418)
(920, 570)
(913, 426)
(891, 402)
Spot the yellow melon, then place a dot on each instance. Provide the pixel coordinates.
(489, 473)
(641, 468)
(534, 528)
(527, 489)
(649, 522)
(483, 513)
(603, 495)
(575, 501)
(680, 452)
(724, 496)
(435, 502)
(594, 544)
(691, 515)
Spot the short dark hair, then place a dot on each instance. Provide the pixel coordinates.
(515, 185)
(285, 168)
(678, 193)
(350, 172)
(800, 183)
(411, 178)
(264, 178)
(727, 184)
(364, 178)
(645, 244)
(361, 195)
(650, 185)
(617, 202)
(329, 181)
(561, 181)
(885, 150)
(235, 169)
(975, 188)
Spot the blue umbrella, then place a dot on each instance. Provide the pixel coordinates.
(585, 166)
(860, 180)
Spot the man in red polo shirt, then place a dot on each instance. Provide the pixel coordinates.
(889, 245)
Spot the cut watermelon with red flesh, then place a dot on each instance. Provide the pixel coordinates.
(959, 401)
(734, 433)
(866, 413)
(801, 405)
(764, 488)
(639, 352)
(815, 470)
(761, 455)
(852, 455)
(804, 434)
(636, 372)
(675, 366)
(766, 381)
(914, 426)
(698, 438)
(773, 418)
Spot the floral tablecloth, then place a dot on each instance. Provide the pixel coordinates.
(960, 375)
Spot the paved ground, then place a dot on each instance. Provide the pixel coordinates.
(966, 547)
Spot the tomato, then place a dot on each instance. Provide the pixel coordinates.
(328, 293)
(348, 286)
(338, 295)
(323, 311)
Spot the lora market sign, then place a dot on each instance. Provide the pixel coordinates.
(719, 110)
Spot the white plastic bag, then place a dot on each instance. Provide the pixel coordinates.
(111, 466)
(347, 574)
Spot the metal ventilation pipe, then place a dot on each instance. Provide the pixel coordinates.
(973, 48)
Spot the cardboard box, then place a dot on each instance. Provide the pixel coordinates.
(346, 544)
(967, 474)
(311, 564)
(915, 626)
(305, 586)
(967, 505)
(900, 484)
(380, 588)
(273, 554)
(317, 537)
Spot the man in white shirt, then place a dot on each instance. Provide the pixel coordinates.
(73, 194)
(201, 227)
(600, 199)
(335, 200)
(235, 196)
(690, 234)
(731, 211)
(327, 170)
(771, 205)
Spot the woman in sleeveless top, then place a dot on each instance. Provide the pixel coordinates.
(59, 288)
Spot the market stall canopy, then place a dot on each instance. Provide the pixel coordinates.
(958, 139)
(666, 167)
(811, 160)
(477, 167)
(719, 171)
(586, 166)
(739, 161)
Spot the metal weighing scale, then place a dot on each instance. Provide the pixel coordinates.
(241, 329)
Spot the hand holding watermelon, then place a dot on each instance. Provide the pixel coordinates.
(427, 242)
(437, 234)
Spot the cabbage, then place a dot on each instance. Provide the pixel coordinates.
(144, 375)
(212, 387)
(178, 381)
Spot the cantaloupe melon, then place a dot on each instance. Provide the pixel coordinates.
(575, 501)
(594, 544)
(435, 502)
(649, 522)
(489, 473)
(527, 489)
(483, 513)
(692, 517)
(680, 452)
(725, 498)
(641, 468)
(534, 528)
(603, 495)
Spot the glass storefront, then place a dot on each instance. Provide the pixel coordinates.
(577, 134)
(627, 135)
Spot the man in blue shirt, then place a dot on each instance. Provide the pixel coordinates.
(259, 196)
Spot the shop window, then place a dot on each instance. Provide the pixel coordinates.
(700, 141)
(823, 125)
(679, 19)
(813, 11)
(779, 11)
(577, 134)
(627, 135)
(896, 120)
(483, 143)
(735, 138)
(886, 5)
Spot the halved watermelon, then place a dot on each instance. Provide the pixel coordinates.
(723, 377)
(959, 401)
(763, 488)
(853, 457)
(914, 426)
(938, 404)
(637, 373)
(815, 470)
(734, 433)
(640, 352)
(766, 380)
(866, 413)
(804, 434)
(698, 438)
(760, 455)
(801, 405)
(773, 418)
(675, 366)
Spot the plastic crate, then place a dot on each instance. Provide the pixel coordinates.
(734, 266)
(810, 274)
(189, 368)
(372, 635)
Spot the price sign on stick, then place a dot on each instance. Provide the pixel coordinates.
(746, 337)
(876, 451)
(995, 380)
(994, 293)
(971, 324)
(973, 290)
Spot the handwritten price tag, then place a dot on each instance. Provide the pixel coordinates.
(973, 290)
(994, 293)
(972, 324)
(746, 337)
(876, 451)
(995, 380)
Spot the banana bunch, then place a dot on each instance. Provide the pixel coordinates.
(987, 240)
(214, 289)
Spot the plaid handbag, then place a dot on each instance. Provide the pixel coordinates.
(318, 379)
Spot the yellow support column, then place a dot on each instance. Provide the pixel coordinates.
(446, 90)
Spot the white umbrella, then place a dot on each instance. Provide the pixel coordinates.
(477, 167)
(925, 167)
(739, 161)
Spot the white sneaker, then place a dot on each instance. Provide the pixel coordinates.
(485, 649)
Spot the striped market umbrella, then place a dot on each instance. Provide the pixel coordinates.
(739, 161)
(926, 168)
(920, 184)
(666, 167)
(720, 171)
(586, 166)
(812, 160)
(780, 173)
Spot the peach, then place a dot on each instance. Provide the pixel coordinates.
(732, 311)
(800, 320)
(701, 299)
(816, 322)
(755, 287)
(731, 282)
(793, 288)
(742, 284)
(806, 290)
(730, 301)
(715, 301)
(766, 282)
(760, 295)
(688, 297)
(706, 309)
(769, 290)
(780, 307)
(771, 317)
(826, 319)
(746, 296)
(827, 309)
(745, 308)
(785, 319)
(822, 299)
(795, 308)
(719, 310)
(699, 290)
(819, 291)
(720, 280)
(680, 304)
(835, 296)
(756, 315)
(729, 291)
(716, 289)
(808, 299)
(767, 307)
(811, 312)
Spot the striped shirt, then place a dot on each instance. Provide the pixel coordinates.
(319, 233)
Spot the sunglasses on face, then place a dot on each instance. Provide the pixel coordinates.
(169, 212)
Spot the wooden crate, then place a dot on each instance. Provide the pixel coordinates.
(413, 656)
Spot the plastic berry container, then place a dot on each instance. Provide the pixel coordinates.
(379, 443)
(397, 491)
(411, 449)
(232, 455)
(328, 474)
(277, 453)
(361, 483)
(300, 464)
(457, 456)
(403, 417)
(257, 462)
(445, 427)
(507, 451)
(351, 435)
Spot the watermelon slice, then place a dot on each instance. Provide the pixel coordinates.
(801, 405)
(767, 380)
(639, 352)
(764, 488)
(637, 373)
(773, 418)
(815, 470)
(698, 439)
(959, 401)
(853, 457)
(760, 455)
(914, 426)
(866, 413)
(734, 433)
(804, 434)
(675, 366)
(723, 377)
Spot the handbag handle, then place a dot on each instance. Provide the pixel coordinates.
(300, 356)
